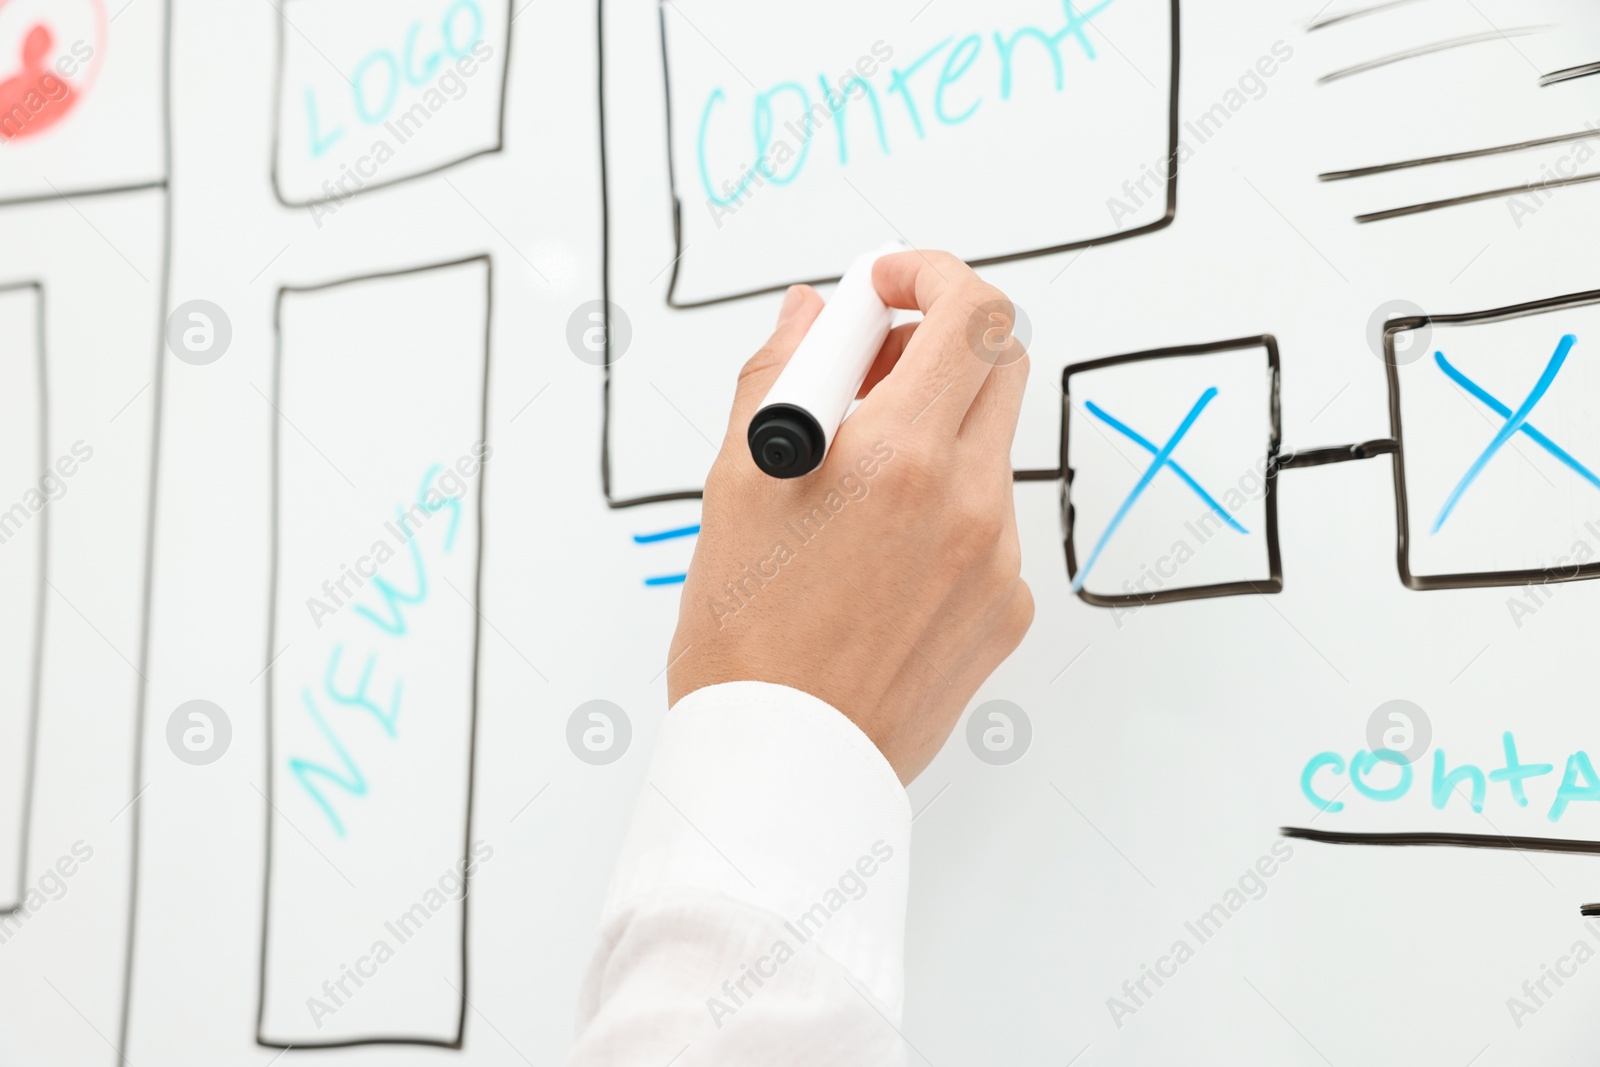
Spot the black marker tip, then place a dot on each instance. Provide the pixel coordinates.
(785, 441)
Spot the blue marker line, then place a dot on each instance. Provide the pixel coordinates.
(1156, 464)
(666, 579)
(666, 535)
(1528, 428)
(1145, 443)
(1512, 425)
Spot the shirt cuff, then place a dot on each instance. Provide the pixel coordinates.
(774, 798)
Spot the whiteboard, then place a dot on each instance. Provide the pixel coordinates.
(277, 276)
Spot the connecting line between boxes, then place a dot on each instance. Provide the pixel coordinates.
(1310, 457)
(1318, 457)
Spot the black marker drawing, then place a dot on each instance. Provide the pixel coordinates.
(1466, 154)
(371, 186)
(115, 188)
(1567, 74)
(1482, 579)
(1428, 50)
(158, 387)
(677, 199)
(1346, 16)
(1520, 844)
(606, 422)
(456, 1041)
(612, 500)
(1446, 840)
(1474, 198)
(30, 752)
(79, 194)
(1318, 457)
(1451, 157)
(1279, 461)
(136, 811)
(120, 960)
(1273, 583)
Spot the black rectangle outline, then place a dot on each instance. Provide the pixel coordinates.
(277, 116)
(147, 559)
(166, 138)
(1274, 583)
(1477, 579)
(272, 623)
(677, 201)
(606, 422)
(31, 757)
(79, 194)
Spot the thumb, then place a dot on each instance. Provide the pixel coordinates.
(801, 305)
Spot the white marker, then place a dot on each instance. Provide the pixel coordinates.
(795, 425)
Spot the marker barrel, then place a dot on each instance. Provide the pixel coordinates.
(796, 423)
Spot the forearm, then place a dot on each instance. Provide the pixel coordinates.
(758, 910)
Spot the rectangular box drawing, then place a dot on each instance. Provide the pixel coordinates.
(25, 491)
(82, 98)
(374, 634)
(371, 93)
(1170, 460)
(1498, 451)
(80, 337)
(680, 268)
(814, 144)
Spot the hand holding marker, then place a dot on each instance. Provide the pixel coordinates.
(795, 425)
(895, 611)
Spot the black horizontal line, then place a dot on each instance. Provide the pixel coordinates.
(1346, 16)
(80, 194)
(1451, 157)
(1428, 50)
(1318, 457)
(1568, 74)
(1520, 844)
(1473, 198)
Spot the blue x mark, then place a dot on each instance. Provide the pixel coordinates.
(1516, 422)
(1162, 458)
(1145, 443)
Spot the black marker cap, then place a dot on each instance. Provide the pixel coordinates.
(785, 441)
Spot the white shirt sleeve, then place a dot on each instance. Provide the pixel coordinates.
(757, 913)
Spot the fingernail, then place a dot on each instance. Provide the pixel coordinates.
(791, 304)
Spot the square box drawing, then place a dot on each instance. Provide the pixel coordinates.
(1169, 458)
(1497, 470)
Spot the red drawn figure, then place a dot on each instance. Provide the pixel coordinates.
(36, 97)
(43, 79)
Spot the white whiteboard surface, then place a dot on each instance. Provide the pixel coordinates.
(1170, 741)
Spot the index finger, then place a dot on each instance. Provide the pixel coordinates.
(943, 365)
